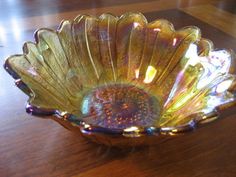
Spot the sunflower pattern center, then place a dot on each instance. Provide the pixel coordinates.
(121, 106)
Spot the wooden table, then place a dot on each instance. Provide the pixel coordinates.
(31, 146)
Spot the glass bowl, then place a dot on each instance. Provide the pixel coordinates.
(124, 81)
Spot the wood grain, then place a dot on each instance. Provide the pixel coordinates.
(229, 6)
(223, 40)
(33, 147)
(218, 18)
(24, 22)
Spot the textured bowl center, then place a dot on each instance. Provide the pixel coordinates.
(120, 106)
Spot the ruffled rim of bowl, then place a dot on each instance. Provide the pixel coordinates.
(196, 119)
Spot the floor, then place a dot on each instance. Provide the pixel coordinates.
(31, 146)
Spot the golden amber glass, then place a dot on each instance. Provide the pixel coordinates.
(124, 76)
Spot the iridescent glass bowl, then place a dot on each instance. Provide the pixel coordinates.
(122, 80)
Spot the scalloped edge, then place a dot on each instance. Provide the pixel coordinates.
(196, 121)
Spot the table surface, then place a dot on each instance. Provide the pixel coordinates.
(30, 146)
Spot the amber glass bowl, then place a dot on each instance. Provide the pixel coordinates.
(122, 80)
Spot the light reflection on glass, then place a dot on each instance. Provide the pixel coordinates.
(150, 74)
(216, 64)
(174, 41)
(192, 55)
(131, 129)
(223, 86)
(157, 29)
(136, 24)
(202, 83)
(136, 73)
